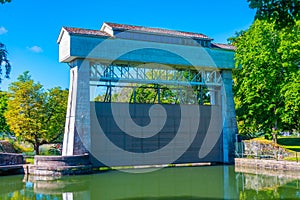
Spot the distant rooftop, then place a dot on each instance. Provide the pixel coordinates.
(125, 31)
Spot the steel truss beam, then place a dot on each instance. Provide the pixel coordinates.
(153, 75)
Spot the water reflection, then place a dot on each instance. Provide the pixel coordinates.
(267, 184)
(10, 184)
(265, 187)
(196, 183)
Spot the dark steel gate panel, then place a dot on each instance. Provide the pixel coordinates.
(139, 113)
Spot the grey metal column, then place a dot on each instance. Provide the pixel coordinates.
(77, 129)
(229, 117)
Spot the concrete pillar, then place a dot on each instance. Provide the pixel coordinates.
(77, 128)
(229, 117)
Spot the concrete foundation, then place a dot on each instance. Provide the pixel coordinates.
(267, 165)
(59, 165)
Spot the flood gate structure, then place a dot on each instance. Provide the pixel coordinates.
(146, 96)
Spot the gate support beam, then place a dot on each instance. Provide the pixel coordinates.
(229, 117)
(77, 128)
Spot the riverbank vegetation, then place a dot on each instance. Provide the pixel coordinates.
(267, 75)
(32, 114)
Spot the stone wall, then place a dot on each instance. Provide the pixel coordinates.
(258, 148)
(246, 169)
(260, 164)
(11, 159)
(6, 147)
(60, 165)
(10, 163)
(62, 160)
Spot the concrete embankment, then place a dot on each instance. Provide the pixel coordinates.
(267, 167)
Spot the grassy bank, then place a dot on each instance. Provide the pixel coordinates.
(291, 143)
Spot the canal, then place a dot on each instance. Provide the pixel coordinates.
(210, 182)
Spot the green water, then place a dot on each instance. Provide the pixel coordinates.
(213, 182)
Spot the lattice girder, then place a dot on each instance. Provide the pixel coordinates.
(100, 72)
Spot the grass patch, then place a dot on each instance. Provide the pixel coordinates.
(291, 159)
(291, 143)
(29, 160)
(263, 140)
(293, 148)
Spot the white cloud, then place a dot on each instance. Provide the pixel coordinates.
(35, 49)
(3, 30)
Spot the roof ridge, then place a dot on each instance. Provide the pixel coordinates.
(224, 46)
(74, 30)
(222, 43)
(158, 30)
(77, 28)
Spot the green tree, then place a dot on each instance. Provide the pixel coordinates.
(267, 59)
(3, 55)
(5, 1)
(4, 62)
(35, 115)
(150, 93)
(283, 12)
(290, 113)
(4, 128)
(55, 106)
(290, 56)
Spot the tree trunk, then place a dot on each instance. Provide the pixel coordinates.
(274, 137)
(37, 149)
(274, 133)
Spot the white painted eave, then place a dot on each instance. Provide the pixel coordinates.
(62, 31)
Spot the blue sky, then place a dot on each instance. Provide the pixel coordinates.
(29, 28)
